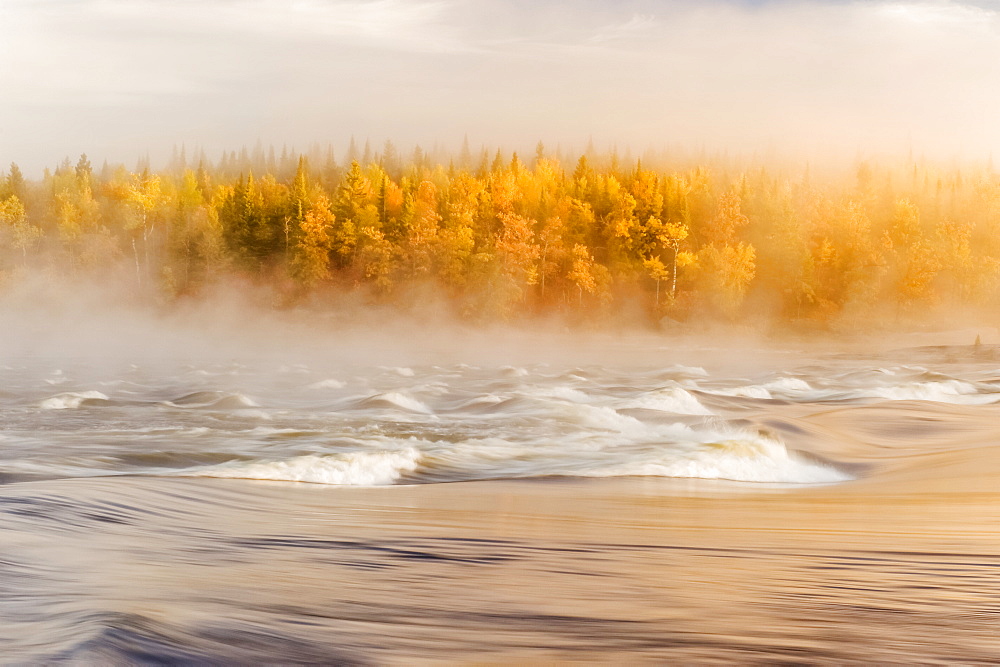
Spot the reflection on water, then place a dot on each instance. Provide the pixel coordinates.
(837, 509)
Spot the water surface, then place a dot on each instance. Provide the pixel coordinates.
(667, 504)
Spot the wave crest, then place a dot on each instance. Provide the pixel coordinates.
(741, 459)
(396, 400)
(72, 400)
(372, 468)
(672, 399)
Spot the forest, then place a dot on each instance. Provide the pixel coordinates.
(588, 238)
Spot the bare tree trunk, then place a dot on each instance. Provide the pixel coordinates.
(138, 272)
(287, 229)
(545, 249)
(146, 233)
(673, 274)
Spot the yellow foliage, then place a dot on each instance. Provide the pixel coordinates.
(311, 260)
(581, 272)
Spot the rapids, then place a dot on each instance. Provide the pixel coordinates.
(678, 504)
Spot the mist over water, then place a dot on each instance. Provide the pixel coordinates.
(231, 484)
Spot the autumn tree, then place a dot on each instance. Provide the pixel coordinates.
(311, 258)
(22, 234)
(913, 260)
(581, 272)
(13, 184)
(726, 265)
(196, 242)
(423, 231)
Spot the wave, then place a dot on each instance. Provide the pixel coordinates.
(678, 452)
(74, 399)
(328, 384)
(869, 384)
(755, 391)
(216, 400)
(362, 468)
(742, 459)
(785, 387)
(788, 385)
(947, 391)
(671, 399)
(603, 418)
(395, 400)
(561, 392)
(681, 371)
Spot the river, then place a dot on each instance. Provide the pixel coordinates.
(624, 499)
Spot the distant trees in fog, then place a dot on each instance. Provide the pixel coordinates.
(503, 239)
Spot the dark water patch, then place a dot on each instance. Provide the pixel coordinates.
(785, 426)
(854, 470)
(17, 478)
(512, 405)
(722, 402)
(78, 515)
(212, 400)
(171, 460)
(397, 550)
(661, 417)
(198, 398)
(128, 638)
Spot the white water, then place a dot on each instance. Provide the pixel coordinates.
(378, 468)
(70, 399)
(383, 425)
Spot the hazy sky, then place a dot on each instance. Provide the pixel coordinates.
(114, 78)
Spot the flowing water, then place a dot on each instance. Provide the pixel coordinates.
(665, 503)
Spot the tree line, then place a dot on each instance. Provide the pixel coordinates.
(504, 238)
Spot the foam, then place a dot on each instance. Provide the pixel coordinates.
(328, 384)
(234, 401)
(485, 399)
(561, 392)
(745, 458)
(216, 400)
(788, 386)
(399, 401)
(604, 418)
(71, 400)
(948, 391)
(748, 391)
(671, 399)
(362, 468)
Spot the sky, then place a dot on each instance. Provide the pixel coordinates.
(119, 78)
